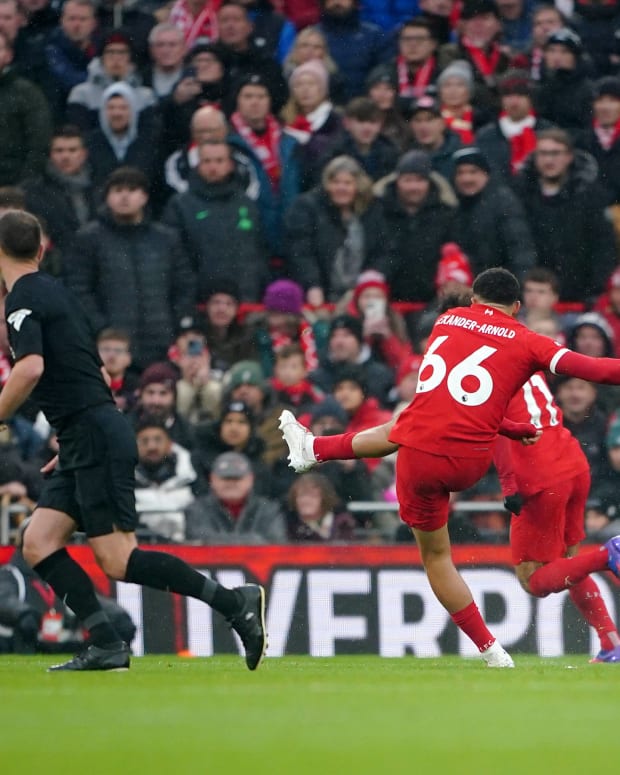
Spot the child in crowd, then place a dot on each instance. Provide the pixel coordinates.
(351, 392)
(114, 348)
(290, 380)
(384, 329)
(284, 323)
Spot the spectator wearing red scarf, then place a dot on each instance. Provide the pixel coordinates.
(455, 86)
(509, 140)
(290, 380)
(384, 329)
(284, 323)
(415, 68)
(479, 30)
(602, 139)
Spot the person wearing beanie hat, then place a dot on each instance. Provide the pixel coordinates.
(382, 89)
(490, 224)
(159, 374)
(347, 348)
(284, 296)
(472, 156)
(234, 431)
(230, 339)
(479, 34)
(241, 54)
(431, 134)
(310, 117)
(415, 163)
(568, 40)
(415, 202)
(453, 271)
(315, 69)
(284, 323)
(384, 329)
(511, 138)
(591, 335)
(157, 397)
(254, 125)
(455, 88)
(565, 92)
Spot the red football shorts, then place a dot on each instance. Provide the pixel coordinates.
(424, 483)
(550, 521)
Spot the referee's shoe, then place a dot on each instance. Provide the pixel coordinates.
(249, 623)
(97, 658)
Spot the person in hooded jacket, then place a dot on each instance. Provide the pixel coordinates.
(114, 64)
(119, 141)
(235, 431)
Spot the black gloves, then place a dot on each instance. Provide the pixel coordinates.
(513, 503)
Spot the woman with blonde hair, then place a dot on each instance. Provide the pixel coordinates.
(333, 232)
(310, 43)
(309, 116)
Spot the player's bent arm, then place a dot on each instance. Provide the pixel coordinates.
(20, 384)
(571, 364)
(374, 442)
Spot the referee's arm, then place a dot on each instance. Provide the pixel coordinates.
(24, 376)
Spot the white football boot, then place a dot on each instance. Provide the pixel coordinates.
(496, 656)
(299, 441)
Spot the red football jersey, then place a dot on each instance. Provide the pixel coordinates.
(556, 456)
(476, 359)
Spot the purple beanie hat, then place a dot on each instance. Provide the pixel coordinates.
(284, 296)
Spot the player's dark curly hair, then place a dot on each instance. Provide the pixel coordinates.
(20, 235)
(497, 285)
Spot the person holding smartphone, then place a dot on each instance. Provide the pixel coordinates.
(384, 329)
(198, 394)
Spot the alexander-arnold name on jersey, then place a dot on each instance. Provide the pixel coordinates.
(473, 325)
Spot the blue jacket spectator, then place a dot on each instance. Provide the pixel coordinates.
(355, 46)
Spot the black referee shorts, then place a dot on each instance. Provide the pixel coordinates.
(94, 483)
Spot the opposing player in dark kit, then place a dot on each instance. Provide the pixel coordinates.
(476, 359)
(92, 486)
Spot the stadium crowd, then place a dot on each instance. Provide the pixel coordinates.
(264, 207)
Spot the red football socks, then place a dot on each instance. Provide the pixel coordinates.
(339, 447)
(566, 572)
(587, 599)
(469, 620)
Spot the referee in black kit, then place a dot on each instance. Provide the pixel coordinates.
(91, 483)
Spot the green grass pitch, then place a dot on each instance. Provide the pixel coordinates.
(299, 715)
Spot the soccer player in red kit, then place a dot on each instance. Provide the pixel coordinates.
(476, 359)
(546, 486)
